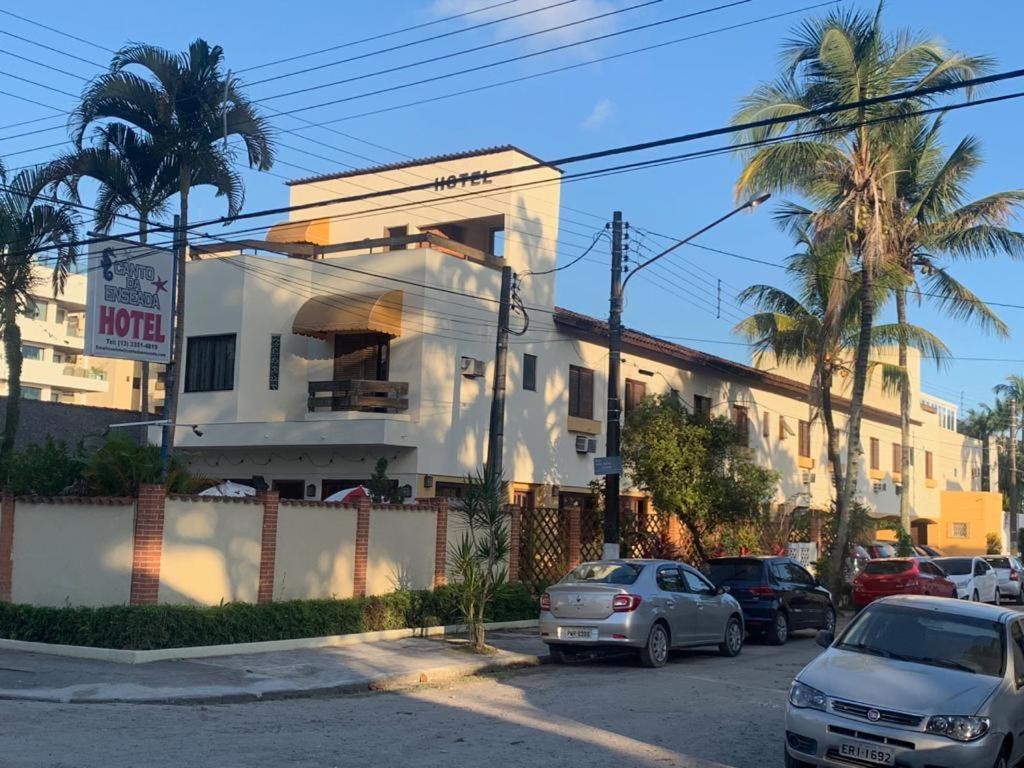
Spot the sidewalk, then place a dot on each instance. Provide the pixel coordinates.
(251, 677)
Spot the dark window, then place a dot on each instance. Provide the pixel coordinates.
(289, 489)
(274, 376)
(604, 573)
(887, 566)
(999, 562)
(31, 352)
(635, 392)
(696, 584)
(670, 580)
(581, 392)
(728, 571)
(362, 356)
(397, 232)
(530, 372)
(1017, 645)
(524, 499)
(804, 432)
(210, 363)
(874, 453)
(449, 490)
(62, 315)
(496, 242)
(955, 566)
(928, 465)
(741, 420)
(36, 309)
(701, 407)
(31, 393)
(931, 570)
(137, 382)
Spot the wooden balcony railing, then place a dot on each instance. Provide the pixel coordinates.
(359, 395)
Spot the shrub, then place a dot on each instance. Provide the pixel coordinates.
(146, 627)
(993, 543)
(50, 469)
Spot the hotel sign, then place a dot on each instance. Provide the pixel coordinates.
(474, 179)
(129, 302)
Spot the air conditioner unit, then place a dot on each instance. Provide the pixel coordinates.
(585, 444)
(878, 487)
(472, 368)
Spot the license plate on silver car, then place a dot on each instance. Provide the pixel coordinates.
(577, 633)
(867, 753)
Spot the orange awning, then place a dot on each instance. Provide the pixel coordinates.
(316, 232)
(326, 315)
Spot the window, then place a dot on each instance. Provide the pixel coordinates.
(635, 392)
(530, 372)
(604, 573)
(696, 584)
(874, 452)
(1017, 648)
(35, 309)
(897, 457)
(496, 242)
(741, 420)
(361, 356)
(581, 392)
(959, 530)
(210, 363)
(62, 315)
(136, 382)
(701, 407)
(397, 232)
(289, 489)
(931, 569)
(799, 576)
(928, 465)
(31, 393)
(670, 580)
(766, 425)
(783, 428)
(274, 374)
(804, 441)
(31, 352)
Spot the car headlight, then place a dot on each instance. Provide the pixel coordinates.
(804, 697)
(961, 728)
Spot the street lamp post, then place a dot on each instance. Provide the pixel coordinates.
(618, 287)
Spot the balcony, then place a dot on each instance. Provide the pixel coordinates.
(85, 373)
(359, 395)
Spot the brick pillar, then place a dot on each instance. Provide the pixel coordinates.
(573, 522)
(268, 545)
(515, 536)
(441, 543)
(148, 545)
(6, 546)
(362, 547)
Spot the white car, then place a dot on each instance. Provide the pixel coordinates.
(1010, 571)
(975, 579)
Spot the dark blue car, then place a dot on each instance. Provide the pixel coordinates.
(777, 594)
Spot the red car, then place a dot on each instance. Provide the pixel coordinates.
(900, 576)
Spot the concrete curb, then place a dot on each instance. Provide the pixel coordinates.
(119, 656)
(429, 676)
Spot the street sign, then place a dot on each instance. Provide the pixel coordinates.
(129, 302)
(608, 465)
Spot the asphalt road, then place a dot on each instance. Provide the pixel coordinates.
(700, 710)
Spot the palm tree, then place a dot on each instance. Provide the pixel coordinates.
(188, 109)
(133, 174)
(29, 225)
(846, 171)
(982, 423)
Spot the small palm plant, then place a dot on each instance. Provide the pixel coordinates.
(478, 560)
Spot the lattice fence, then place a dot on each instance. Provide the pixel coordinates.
(543, 548)
(591, 534)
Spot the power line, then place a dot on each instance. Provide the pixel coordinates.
(54, 29)
(51, 48)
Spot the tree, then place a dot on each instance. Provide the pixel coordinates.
(134, 174)
(981, 424)
(47, 469)
(694, 468)
(188, 109)
(30, 223)
(845, 172)
(478, 560)
(383, 489)
(120, 465)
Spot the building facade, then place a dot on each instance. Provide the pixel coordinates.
(366, 328)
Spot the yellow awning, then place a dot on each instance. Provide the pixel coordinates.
(316, 232)
(323, 316)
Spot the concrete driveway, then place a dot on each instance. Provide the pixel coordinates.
(699, 711)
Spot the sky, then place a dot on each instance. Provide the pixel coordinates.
(677, 88)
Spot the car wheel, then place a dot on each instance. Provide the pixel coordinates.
(830, 620)
(975, 597)
(792, 762)
(732, 643)
(1003, 760)
(998, 600)
(655, 652)
(779, 632)
(1020, 596)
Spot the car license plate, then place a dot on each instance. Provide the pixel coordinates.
(577, 633)
(867, 752)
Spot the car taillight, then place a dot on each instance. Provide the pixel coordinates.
(625, 603)
(763, 591)
(545, 602)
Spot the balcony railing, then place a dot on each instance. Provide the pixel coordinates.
(85, 373)
(359, 395)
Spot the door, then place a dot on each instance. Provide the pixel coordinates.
(681, 613)
(817, 598)
(712, 612)
(796, 597)
(932, 581)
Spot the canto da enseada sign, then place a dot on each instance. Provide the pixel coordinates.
(129, 304)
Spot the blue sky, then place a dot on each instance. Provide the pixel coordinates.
(676, 89)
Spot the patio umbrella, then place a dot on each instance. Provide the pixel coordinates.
(229, 488)
(349, 494)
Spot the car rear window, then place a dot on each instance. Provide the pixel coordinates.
(955, 566)
(604, 573)
(882, 550)
(887, 566)
(998, 562)
(735, 570)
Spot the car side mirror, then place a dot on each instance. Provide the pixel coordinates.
(825, 638)
(722, 590)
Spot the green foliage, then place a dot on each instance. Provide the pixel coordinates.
(50, 469)
(176, 626)
(382, 488)
(122, 464)
(993, 543)
(694, 468)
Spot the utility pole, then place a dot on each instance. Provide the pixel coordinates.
(1013, 474)
(171, 375)
(496, 435)
(611, 481)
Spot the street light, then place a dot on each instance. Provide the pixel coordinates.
(611, 505)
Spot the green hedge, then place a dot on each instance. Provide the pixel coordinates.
(147, 627)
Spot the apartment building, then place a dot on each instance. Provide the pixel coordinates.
(55, 368)
(366, 328)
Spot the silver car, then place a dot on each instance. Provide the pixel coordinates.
(913, 681)
(649, 605)
(1010, 571)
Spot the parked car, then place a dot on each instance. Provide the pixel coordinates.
(1009, 571)
(974, 578)
(777, 594)
(879, 549)
(925, 550)
(900, 576)
(651, 606)
(913, 681)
